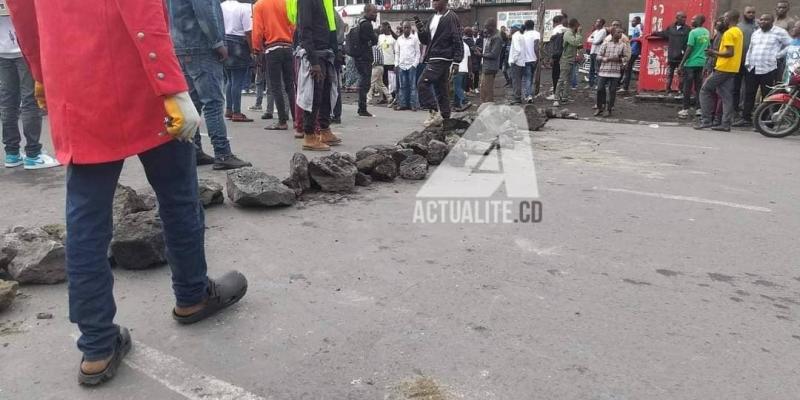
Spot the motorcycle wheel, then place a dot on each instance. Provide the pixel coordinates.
(762, 119)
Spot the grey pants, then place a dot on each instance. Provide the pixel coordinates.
(722, 83)
(563, 88)
(17, 103)
(516, 83)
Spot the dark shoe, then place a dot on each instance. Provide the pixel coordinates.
(703, 125)
(450, 124)
(403, 108)
(229, 161)
(239, 117)
(223, 292)
(364, 114)
(203, 158)
(278, 126)
(739, 123)
(122, 346)
(266, 116)
(721, 128)
(336, 121)
(228, 114)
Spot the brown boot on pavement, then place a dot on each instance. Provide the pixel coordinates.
(329, 138)
(314, 142)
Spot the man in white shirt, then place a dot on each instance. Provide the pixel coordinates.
(516, 59)
(407, 55)
(596, 39)
(386, 43)
(17, 102)
(238, 19)
(531, 57)
(460, 102)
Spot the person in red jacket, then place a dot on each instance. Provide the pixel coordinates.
(134, 103)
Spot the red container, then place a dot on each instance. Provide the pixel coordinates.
(659, 15)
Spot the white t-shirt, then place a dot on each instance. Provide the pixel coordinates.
(9, 47)
(386, 43)
(529, 51)
(463, 66)
(435, 23)
(238, 17)
(596, 39)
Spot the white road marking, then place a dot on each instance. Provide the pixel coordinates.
(686, 145)
(686, 198)
(180, 378)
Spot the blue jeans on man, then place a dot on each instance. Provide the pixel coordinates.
(407, 93)
(170, 169)
(458, 88)
(17, 103)
(204, 75)
(527, 79)
(234, 81)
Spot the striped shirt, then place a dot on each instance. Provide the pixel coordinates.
(762, 56)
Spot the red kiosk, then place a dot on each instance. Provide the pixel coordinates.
(659, 14)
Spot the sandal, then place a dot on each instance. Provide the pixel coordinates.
(122, 346)
(223, 292)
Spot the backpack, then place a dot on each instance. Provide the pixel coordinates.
(557, 45)
(352, 41)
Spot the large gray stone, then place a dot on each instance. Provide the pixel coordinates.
(298, 179)
(363, 179)
(34, 256)
(437, 151)
(385, 171)
(249, 187)
(210, 192)
(127, 201)
(8, 292)
(536, 120)
(414, 168)
(138, 241)
(334, 173)
(384, 149)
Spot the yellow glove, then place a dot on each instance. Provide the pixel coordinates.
(38, 93)
(182, 117)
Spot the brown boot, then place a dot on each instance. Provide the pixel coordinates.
(329, 138)
(314, 143)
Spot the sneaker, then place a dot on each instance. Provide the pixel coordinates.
(529, 99)
(556, 104)
(598, 112)
(266, 116)
(41, 161)
(13, 160)
(229, 161)
(741, 123)
(721, 128)
(552, 97)
(239, 117)
(703, 125)
(683, 114)
(254, 108)
(698, 113)
(203, 158)
(365, 114)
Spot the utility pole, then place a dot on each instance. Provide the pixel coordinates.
(540, 21)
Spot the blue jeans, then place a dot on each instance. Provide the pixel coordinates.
(234, 81)
(593, 67)
(573, 76)
(171, 171)
(458, 87)
(527, 79)
(17, 103)
(408, 87)
(204, 75)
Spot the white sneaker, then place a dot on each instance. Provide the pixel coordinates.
(429, 120)
(552, 97)
(556, 104)
(683, 114)
(42, 161)
(698, 113)
(437, 119)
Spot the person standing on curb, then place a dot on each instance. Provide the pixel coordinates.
(273, 33)
(406, 61)
(676, 34)
(516, 59)
(144, 72)
(17, 102)
(596, 40)
(611, 57)
(365, 58)
(197, 31)
(636, 52)
(491, 52)
(531, 57)
(729, 56)
(238, 19)
(572, 42)
(691, 67)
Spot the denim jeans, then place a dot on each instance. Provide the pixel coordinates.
(458, 89)
(527, 79)
(171, 171)
(408, 88)
(234, 78)
(573, 74)
(593, 67)
(204, 75)
(17, 102)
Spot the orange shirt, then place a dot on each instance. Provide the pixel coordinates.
(271, 24)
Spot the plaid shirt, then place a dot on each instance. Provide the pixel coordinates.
(762, 56)
(377, 56)
(613, 69)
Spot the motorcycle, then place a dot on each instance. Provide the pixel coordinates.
(779, 113)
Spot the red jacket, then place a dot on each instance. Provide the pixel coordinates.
(106, 66)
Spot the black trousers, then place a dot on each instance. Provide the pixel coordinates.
(737, 90)
(364, 81)
(628, 73)
(321, 106)
(753, 82)
(606, 92)
(281, 77)
(433, 88)
(692, 80)
(673, 65)
(556, 71)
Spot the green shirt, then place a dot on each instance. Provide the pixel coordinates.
(572, 42)
(699, 39)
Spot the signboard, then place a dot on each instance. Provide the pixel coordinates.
(509, 18)
(548, 23)
(631, 16)
(4, 8)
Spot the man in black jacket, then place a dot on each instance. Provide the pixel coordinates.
(444, 52)
(677, 35)
(367, 39)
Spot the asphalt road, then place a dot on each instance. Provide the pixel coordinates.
(665, 267)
